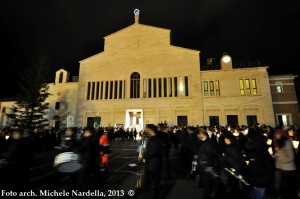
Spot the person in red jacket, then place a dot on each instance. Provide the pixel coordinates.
(104, 148)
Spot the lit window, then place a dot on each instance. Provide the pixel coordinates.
(205, 83)
(217, 84)
(247, 86)
(211, 88)
(242, 90)
(181, 86)
(254, 86)
(279, 89)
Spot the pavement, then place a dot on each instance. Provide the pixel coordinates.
(122, 174)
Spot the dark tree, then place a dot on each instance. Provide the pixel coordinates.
(33, 91)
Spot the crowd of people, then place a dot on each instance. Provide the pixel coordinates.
(231, 162)
(19, 146)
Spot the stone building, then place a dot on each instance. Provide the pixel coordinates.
(285, 103)
(141, 78)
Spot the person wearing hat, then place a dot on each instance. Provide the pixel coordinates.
(153, 158)
(285, 165)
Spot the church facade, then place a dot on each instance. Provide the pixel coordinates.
(140, 79)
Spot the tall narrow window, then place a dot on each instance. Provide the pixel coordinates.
(170, 87)
(57, 105)
(254, 86)
(149, 88)
(101, 90)
(116, 90)
(111, 89)
(181, 86)
(211, 88)
(106, 89)
(61, 76)
(175, 87)
(217, 87)
(135, 85)
(97, 91)
(165, 87)
(242, 88)
(154, 87)
(159, 87)
(205, 88)
(93, 91)
(120, 89)
(145, 88)
(186, 85)
(88, 91)
(124, 89)
(247, 85)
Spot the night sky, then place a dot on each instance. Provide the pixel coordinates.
(68, 31)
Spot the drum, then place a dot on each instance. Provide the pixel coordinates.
(67, 162)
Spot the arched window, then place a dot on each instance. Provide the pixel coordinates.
(61, 75)
(135, 85)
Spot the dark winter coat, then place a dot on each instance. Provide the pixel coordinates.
(205, 152)
(187, 140)
(260, 169)
(233, 158)
(153, 154)
(89, 154)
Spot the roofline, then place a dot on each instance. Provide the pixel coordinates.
(282, 77)
(188, 49)
(136, 24)
(91, 57)
(220, 70)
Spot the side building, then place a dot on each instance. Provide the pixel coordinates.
(236, 96)
(285, 103)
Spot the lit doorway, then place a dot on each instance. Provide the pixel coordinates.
(134, 119)
(284, 119)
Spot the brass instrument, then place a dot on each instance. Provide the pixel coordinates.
(142, 149)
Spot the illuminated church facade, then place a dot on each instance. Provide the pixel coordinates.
(140, 79)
